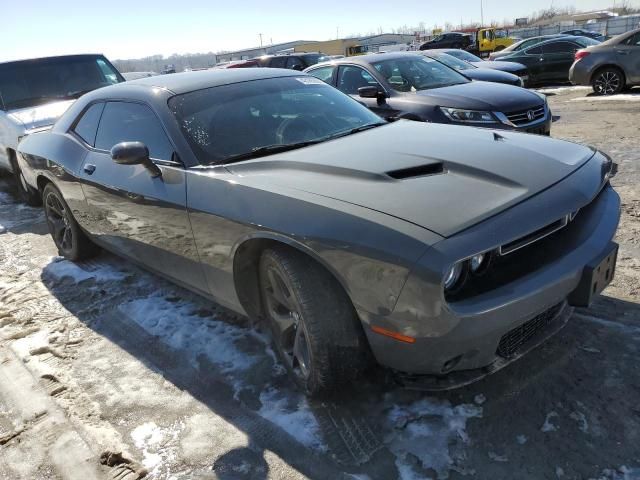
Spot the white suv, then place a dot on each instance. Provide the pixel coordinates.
(35, 93)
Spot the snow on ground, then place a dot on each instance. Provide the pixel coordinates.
(157, 446)
(547, 426)
(179, 325)
(562, 89)
(298, 421)
(428, 422)
(621, 97)
(61, 268)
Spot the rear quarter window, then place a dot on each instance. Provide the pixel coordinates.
(87, 126)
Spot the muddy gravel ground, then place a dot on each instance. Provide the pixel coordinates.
(110, 372)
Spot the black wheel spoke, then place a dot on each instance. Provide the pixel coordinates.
(58, 228)
(280, 292)
(301, 351)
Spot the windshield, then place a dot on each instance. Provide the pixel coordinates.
(35, 82)
(412, 74)
(464, 55)
(235, 121)
(453, 62)
(313, 59)
(586, 41)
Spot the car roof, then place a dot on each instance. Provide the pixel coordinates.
(371, 58)
(57, 57)
(189, 81)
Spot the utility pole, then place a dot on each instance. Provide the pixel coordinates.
(481, 15)
(260, 39)
(337, 32)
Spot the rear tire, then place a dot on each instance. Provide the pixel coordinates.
(72, 242)
(26, 194)
(608, 81)
(316, 331)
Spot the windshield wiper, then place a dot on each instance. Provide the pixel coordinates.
(268, 150)
(361, 128)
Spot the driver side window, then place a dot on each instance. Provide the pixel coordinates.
(351, 78)
(132, 122)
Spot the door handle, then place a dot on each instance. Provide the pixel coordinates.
(622, 52)
(89, 169)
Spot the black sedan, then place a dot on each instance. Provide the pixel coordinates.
(473, 72)
(429, 248)
(408, 85)
(507, 66)
(550, 61)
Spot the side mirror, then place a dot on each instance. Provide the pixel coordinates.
(369, 91)
(134, 153)
(297, 67)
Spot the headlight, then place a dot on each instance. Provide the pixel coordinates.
(454, 276)
(468, 116)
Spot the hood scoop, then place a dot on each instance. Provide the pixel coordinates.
(418, 171)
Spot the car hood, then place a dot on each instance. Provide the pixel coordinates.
(482, 96)
(40, 116)
(444, 178)
(490, 75)
(501, 65)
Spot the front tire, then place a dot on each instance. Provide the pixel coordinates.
(71, 241)
(608, 81)
(315, 329)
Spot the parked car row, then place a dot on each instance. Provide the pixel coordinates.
(441, 252)
(417, 87)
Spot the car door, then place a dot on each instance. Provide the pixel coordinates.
(628, 56)
(533, 58)
(138, 215)
(558, 58)
(351, 77)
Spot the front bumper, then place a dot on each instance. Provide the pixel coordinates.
(465, 335)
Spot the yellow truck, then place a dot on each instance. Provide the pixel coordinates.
(487, 40)
(348, 48)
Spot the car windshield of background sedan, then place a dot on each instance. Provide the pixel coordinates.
(412, 74)
(453, 62)
(464, 55)
(28, 84)
(255, 118)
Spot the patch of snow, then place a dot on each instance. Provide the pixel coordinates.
(622, 473)
(497, 458)
(179, 327)
(563, 89)
(559, 472)
(579, 417)
(156, 445)
(479, 399)
(431, 422)
(293, 415)
(521, 439)
(621, 97)
(61, 268)
(548, 426)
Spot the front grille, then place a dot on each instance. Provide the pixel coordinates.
(513, 340)
(534, 236)
(522, 117)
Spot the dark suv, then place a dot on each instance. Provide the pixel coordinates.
(292, 61)
(448, 40)
(35, 92)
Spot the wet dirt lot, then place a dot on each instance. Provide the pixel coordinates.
(110, 372)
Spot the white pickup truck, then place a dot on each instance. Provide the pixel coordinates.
(35, 93)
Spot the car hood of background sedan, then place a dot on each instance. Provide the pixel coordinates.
(500, 65)
(443, 178)
(489, 75)
(42, 115)
(482, 96)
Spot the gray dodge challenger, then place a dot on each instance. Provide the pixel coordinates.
(441, 252)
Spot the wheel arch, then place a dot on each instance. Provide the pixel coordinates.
(246, 257)
(608, 65)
